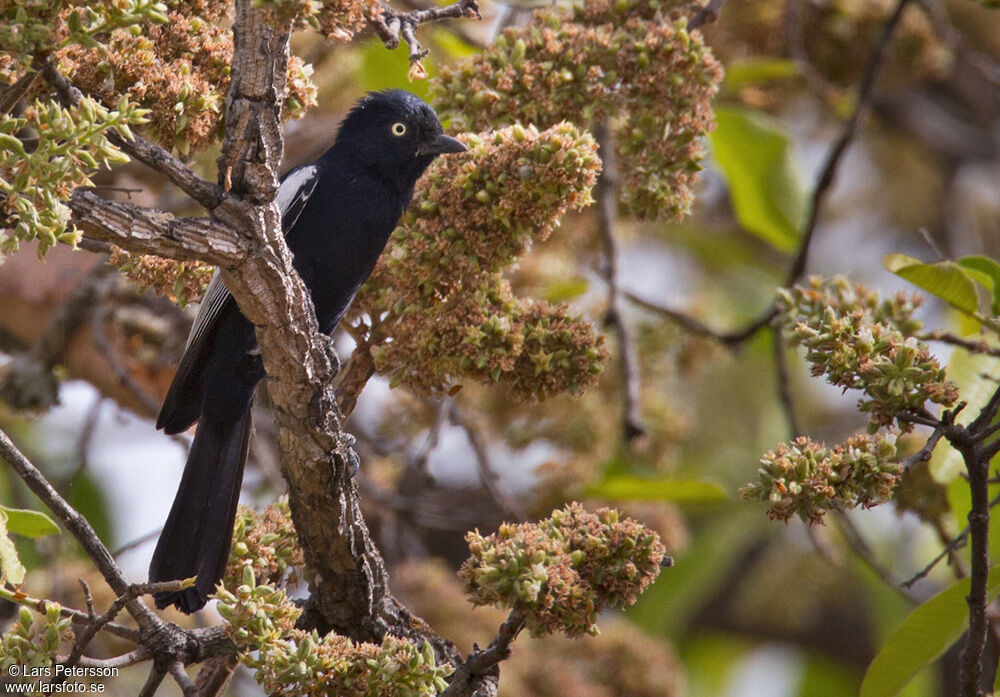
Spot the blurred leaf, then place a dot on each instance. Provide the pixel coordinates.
(11, 569)
(824, 678)
(564, 289)
(32, 524)
(382, 69)
(627, 488)
(756, 69)
(453, 44)
(966, 370)
(924, 635)
(756, 159)
(699, 573)
(986, 271)
(87, 497)
(709, 660)
(945, 280)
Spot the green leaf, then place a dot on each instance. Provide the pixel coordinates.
(966, 370)
(383, 69)
(32, 524)
(925, 634)
(757, 69)
(564, 289)
(945, 279)
(986, 271)
(11, 569)
(628, 488)
(755, 157)
(700, 572)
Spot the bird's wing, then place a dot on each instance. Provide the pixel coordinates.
(180, 408)
(296, 188)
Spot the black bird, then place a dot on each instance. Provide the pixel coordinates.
(337, 214)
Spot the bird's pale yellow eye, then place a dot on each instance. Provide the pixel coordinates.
(398, 129)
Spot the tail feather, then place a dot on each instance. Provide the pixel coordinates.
(196, 538)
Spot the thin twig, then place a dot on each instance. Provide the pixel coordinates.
(972, 346)
(393, 24)
(784, 383)
(88, 599)
(607, 203)
(487, 474)
(156, 676)
(42, 606)
(99, 316)
(97, 624)
(828, 171)
(861, 549)
(125, 660)
(985, 65)
(79, 527)
(188, 687)
(137, 542)
(481, 663)
(204, 192)
(706, 15)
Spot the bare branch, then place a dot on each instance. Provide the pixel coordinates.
(79, 527)
(206, 193)
(481, 664)
(607, 202)
(707, 14)
(41, 607)
(359, 371)
(188, 687)
(148, 231)
(828, 172)
(981, 346)
(98, 623)
(393, 24)
(487, 474)
(124, 661)
(784, 383)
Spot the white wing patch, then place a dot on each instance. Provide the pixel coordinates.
(293, 192)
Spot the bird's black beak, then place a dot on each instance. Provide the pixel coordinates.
(441, 145)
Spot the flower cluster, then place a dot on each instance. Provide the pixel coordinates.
(69, 148)
(290, 662)
(440, 309)
(622, 63)
(35, 647)
(334, 19)
(845, 297)
(267, 543)
(807, 478)
(180, 281)
(178, 69)
(30, 27)
(624, 661)
(861, 343)
(560, 572)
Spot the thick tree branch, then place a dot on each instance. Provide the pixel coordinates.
(148, 231)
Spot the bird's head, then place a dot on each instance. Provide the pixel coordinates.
(395, 134)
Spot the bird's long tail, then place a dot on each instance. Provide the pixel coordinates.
(196, 538)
